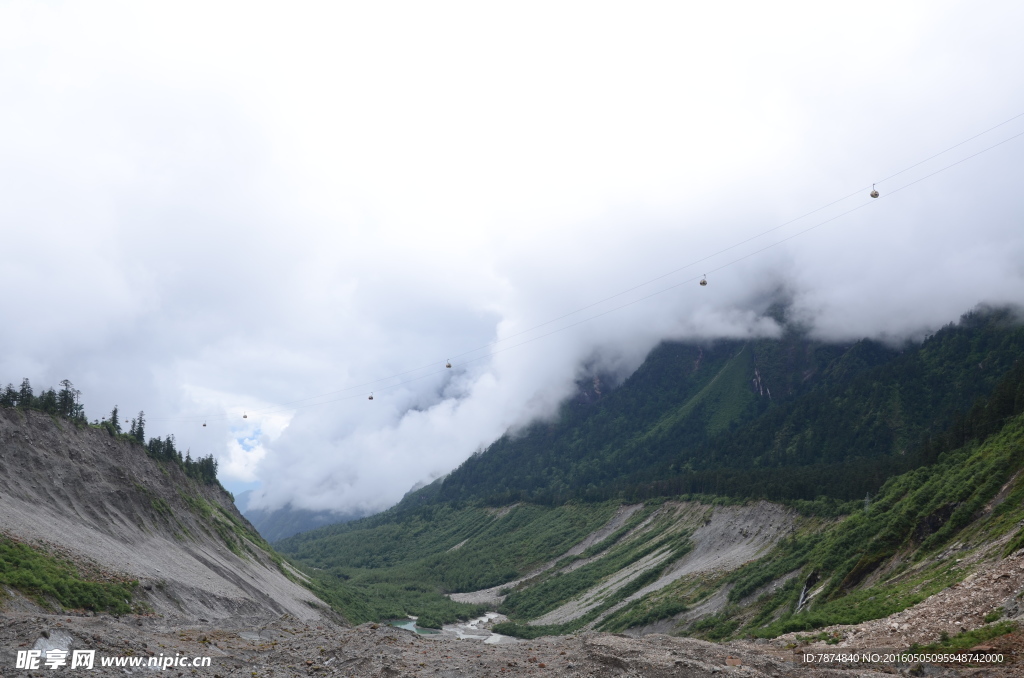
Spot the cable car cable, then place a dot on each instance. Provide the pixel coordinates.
(663, 290)
(932, 157)
(758, 235)
(276, 408)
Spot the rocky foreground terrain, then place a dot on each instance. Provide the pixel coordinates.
(288, 646)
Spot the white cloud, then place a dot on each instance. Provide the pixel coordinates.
(210, 209)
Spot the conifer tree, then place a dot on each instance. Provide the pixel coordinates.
(9, 396)
(25, 395)
(47, 401)
(67, 401)
(138, 429)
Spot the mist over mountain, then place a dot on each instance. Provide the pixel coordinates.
(732, 489)
(286, 521)
(791, 418)
(761, 369)
(238, 245)
(510, 320)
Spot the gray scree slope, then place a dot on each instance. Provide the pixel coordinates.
(103, 501)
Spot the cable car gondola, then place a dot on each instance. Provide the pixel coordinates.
(204, 424)
(448, 364)
(874, 193)
(704, 281)
(371, 396)
(244, 415)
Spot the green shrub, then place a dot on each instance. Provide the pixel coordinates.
(968, 639)
(42, 576)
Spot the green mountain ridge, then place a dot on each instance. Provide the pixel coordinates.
(699, 419)
(931, 432)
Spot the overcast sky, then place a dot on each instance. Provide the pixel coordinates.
(210, 209)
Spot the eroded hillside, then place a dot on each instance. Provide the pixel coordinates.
(106, 506)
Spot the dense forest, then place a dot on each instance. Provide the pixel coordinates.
(785, 419)
(66, 404)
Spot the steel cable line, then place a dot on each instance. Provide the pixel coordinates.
(563, 316)
(939, 171)
(694, 278)
(284, 406)
(663, 275)
(932, 157)
(742, 242)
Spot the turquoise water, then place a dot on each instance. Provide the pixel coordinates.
(410, 625)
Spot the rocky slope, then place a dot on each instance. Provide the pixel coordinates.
(104, 504)
(995, 588)
(720, 539)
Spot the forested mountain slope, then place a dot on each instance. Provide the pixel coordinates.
(925, 530)
(729, 421)
(721, 568)
(780, 419)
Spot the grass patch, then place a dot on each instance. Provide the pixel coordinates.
(44, 577)
(716, 627)
(559, 587)
(863, 604)
(677, 597)
(994, 615)
(199, 506)
(526, 631)
(829, 637)
(968, 639)
(637, 615)
(1017, 542)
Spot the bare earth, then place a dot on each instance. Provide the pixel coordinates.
(84, 495)
(290, 647)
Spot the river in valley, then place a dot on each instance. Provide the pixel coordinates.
(475, 629)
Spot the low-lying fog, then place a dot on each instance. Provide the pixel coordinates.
(228, 210)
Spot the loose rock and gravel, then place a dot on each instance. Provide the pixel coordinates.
(290, 647)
